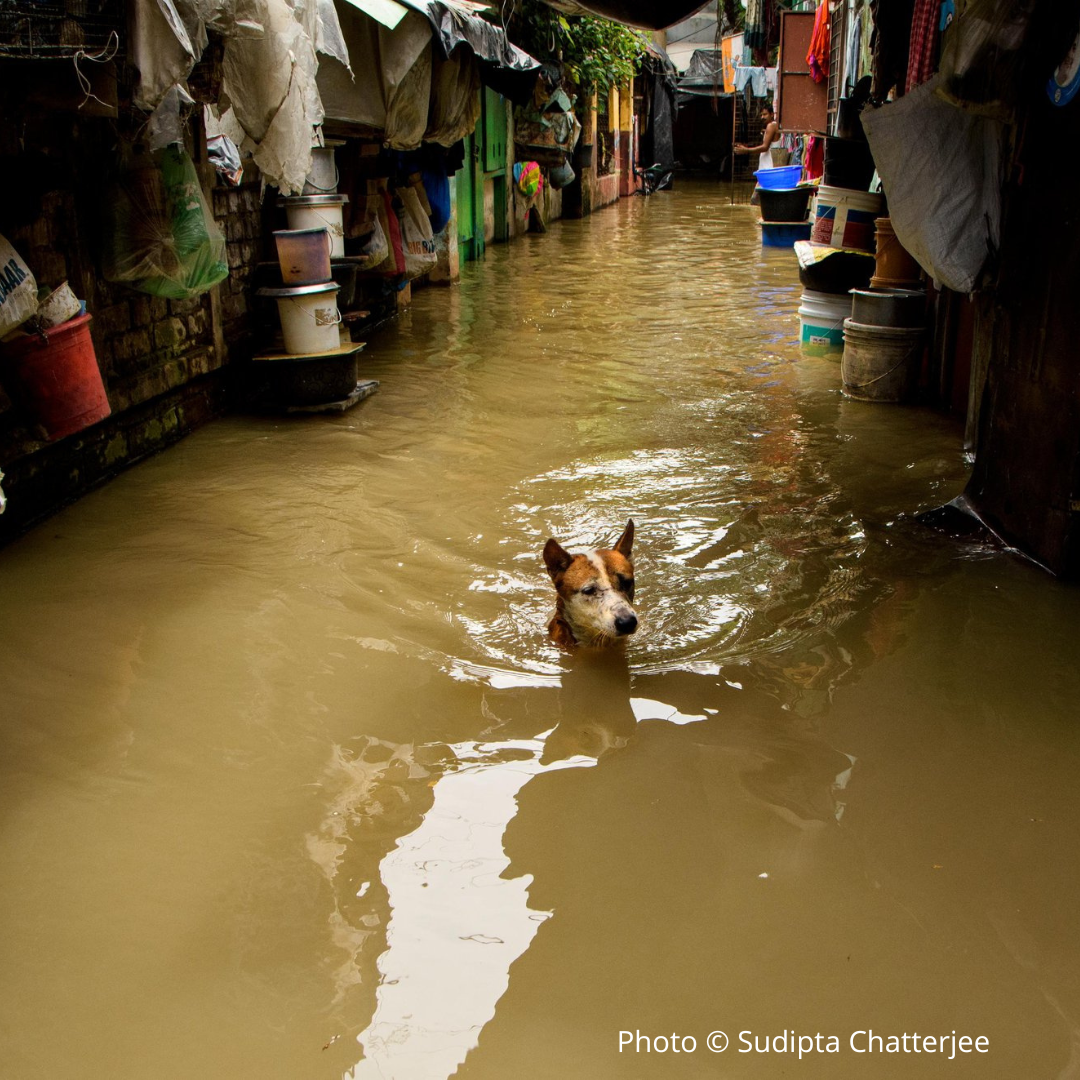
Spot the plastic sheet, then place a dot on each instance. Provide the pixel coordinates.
(270, 82)
(381, 61)
(162, 48)
(161, 236)
(455, 99)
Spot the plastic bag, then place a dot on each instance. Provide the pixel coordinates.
(376, 205)
(224, 155)
(161, 236)
(373, 247)
(417, 239)
(18, 289)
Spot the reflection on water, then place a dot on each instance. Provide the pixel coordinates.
(293, 783)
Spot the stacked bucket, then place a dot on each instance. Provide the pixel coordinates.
(884, 335)
(315, 367)
(784, 205)
(840, 253)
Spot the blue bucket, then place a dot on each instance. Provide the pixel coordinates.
(788, 176)
(784, 233)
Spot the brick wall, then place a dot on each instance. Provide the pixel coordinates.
(164, 362)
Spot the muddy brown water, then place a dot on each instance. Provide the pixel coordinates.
(294, 786)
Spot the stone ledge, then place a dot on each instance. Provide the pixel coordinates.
(42, 478)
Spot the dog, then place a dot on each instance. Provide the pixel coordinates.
(595, 593)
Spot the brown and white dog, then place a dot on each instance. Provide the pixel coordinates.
(596, 591)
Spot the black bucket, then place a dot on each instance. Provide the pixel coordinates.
(848, 164)
(784, 204)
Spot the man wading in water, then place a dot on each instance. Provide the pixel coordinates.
(770, 135)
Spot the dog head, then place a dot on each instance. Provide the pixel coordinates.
(596, 592)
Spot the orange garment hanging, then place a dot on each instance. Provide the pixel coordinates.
(818, 56)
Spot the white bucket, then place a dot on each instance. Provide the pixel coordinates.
(845, 219)
(309, 317)
(319, 212)
(323, 178)
(822, 318)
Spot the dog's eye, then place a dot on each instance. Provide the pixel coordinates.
(588, 590)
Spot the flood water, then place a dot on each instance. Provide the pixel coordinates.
(293, 784)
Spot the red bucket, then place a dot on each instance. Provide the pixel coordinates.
(54, 377)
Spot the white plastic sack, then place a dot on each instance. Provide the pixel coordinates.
(18, 289)
(417, 239)
(940, 167)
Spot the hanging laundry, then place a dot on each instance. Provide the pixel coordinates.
(755, 78)
(890, 37)
(923, 47)
(754, 32)
(851, 58)
(814, 158)
(817, 58)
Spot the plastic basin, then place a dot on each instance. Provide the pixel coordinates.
(785, 177)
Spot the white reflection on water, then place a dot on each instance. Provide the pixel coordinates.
(457, 923)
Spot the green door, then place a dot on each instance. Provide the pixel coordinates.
(485, 159)
(469, 182)
(493, 116)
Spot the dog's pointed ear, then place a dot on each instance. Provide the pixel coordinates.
(626, 541)
(556, 559)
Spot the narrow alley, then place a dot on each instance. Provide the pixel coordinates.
(295, 785)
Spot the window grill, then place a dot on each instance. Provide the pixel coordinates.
(837, 44)
(44, 31)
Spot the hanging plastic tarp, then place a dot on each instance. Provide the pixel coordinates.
(270, 82)
(160, 235)
(703, 77)
(940, 167)
(646, 14)
(269, 69)
(455, 98)
(391, 91)
(503, 66)
(162, 48)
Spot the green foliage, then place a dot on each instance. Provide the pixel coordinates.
(596, 53)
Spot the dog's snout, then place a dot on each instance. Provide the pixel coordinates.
(626, 623)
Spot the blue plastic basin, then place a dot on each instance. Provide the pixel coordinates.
(784, 233)
(786, 177)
